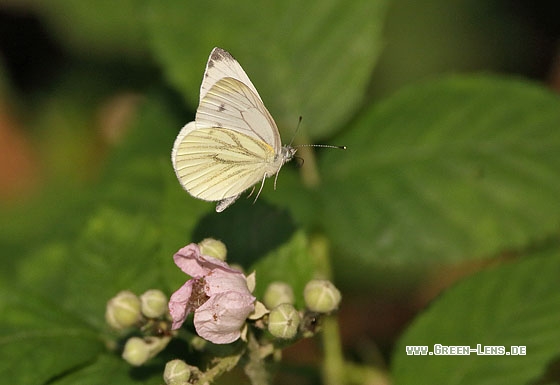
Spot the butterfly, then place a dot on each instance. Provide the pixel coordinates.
(233, 143)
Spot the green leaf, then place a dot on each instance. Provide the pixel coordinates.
(134, 176)
(115, 252)
(40, 340)
(310, 59)
(116, 247)
(119, 246)
(512, 305)
(249, 231)
(140, 182)
(457, 168)
(113, 369)
(44, 220)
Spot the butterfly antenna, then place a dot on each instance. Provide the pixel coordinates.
(311, 145)
(296, 131)
(321, 145)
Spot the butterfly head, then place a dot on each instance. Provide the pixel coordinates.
(287, 153)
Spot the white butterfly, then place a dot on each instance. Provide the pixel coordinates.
(233, 143)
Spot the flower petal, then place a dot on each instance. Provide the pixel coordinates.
(178, 304)
(221, 318)
(220, 281)
(195, 264)
(187, 260)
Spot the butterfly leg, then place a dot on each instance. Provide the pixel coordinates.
(276, 178)
(252, 191)
(262, 185)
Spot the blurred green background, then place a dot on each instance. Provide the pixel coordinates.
(76, 77)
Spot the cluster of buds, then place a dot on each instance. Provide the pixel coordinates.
(148, 313)
(284, 321)
(221, 299)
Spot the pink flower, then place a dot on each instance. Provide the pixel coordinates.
(217, 294)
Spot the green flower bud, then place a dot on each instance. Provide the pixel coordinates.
(278, 293)
(321, 296)
(123, 310)
(154, 303)
(213, 248)
(177, 372)
(136, 351)
(139, 350)
(283, 321)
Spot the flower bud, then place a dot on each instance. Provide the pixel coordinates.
(213, 248)
(177, 372)
(277, 293)
(321, 296)
(136, 351)
(123, 310)
(283, 321)
(154, 303)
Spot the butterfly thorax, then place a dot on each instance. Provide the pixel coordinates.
(284, 156)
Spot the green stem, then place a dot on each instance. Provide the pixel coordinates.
(319, 247)
(333, 364)
(255, 368)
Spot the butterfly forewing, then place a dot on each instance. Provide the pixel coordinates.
(214, 164)
(222, 65)
(231, 104)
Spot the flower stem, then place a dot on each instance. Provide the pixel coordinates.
(255, 368)
(333, 364)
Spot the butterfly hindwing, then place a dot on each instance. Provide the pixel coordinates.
(214, 164)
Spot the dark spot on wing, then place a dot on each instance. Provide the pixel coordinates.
(216, 55)
(210, 63)
(221, 107)
(219, 54)
(227, 55)
(219, 125)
